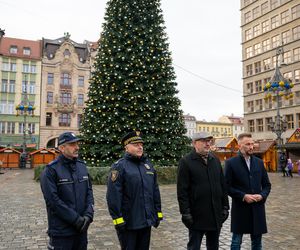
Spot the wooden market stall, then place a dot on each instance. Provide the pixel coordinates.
(10, 158)
(225, 148)
(41, 157)
(292, 147)
(266, 150)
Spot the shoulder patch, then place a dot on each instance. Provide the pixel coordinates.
(114, 175)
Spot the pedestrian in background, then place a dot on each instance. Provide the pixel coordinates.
(283, 162)
(298, 166)
(68, 194)
(133, 196)
(201, 193)
(249, 186)
(290, 167)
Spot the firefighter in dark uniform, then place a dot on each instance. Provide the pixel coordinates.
(133, 195)
(68, 194)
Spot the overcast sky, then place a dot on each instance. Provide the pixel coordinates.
(204, 38)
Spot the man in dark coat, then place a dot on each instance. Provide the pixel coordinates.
(133, 196)
(249, 187)
(201, 193)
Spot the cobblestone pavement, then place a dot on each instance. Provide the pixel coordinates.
(23, 217)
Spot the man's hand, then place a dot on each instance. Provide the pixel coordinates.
(121, 228)
(187, 220)
(249, 198)
(257, 197)
(86, 224)
(156, 224)
(79, 223)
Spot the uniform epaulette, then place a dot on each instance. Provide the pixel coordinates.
(52, 162)
(117, 163)
(81, 161)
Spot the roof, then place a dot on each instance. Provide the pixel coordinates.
(12, 149)
(8, 42)
(223, 142)
(40, 151)
(263, 146)
(295, 137)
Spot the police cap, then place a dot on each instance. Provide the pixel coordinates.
(67, 137)
(132, 137)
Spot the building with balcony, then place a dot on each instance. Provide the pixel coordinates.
(66, 68)
(216, 129)
(266, 25)
(237, 123)
(20, 70)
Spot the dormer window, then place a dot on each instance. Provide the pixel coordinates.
(13, 49)
(67, 53)
(26, 51)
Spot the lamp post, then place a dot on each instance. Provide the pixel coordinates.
(25, 109)
(2, 33)
(277, 88)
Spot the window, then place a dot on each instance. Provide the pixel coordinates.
(257, 49)
(21, 128)
(288, 75)
(48, 119)
(31, 128)
(250, 106)
(266, 45)
(246, 2)
(247, 17)
(287, 57)
(268, 103)
(296, 11)
(259, 105)
(33, 68)
(298, 120)
(275, 41)
(2, 127)
(264, 8)
(280, 101)
(13, 67)
(65, 120)
(255, 12)
(290, 121)
(297, 76)
(13, 49)
(249, 70)
(3, 105)
(26, 51)
(274, 4)
(32, 88)
(291, 102)
(274, 22)
(5, 66)
(249, 52)
(80, 100)
(257, 67)
(79, 120)
(12, 84)
(256, 30)
(297, 97)
(65, 98)
(286, 37)
(11, 107)
(80, 81)
(296, 33)
(269, 121)
(65, 79)
(4, 86)
(267, 64)
(250, 87)
(26, 68)
(296, 53)
(248, 34)
(284, 17)
(265, 26)
(251, 125)
(258, 86)
(67, 53)
(50, 78)
(260, 125)
(49, 97)
(10, 127)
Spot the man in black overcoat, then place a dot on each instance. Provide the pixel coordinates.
(249, 187)
(201, 193)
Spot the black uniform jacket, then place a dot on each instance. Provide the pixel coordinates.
(133, 195)
(245, 217)
(201, 190)
(68, 194)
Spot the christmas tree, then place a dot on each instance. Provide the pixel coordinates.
(133, 87)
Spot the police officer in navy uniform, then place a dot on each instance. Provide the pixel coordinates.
(133, 195)
(68, 194)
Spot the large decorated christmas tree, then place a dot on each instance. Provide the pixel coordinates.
(133, 87)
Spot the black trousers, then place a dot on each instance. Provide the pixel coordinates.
(195, 239)
(74, 242)
(135, 239)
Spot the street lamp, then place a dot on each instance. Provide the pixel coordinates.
(2, 33)
(25, 109)
(277, 88)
